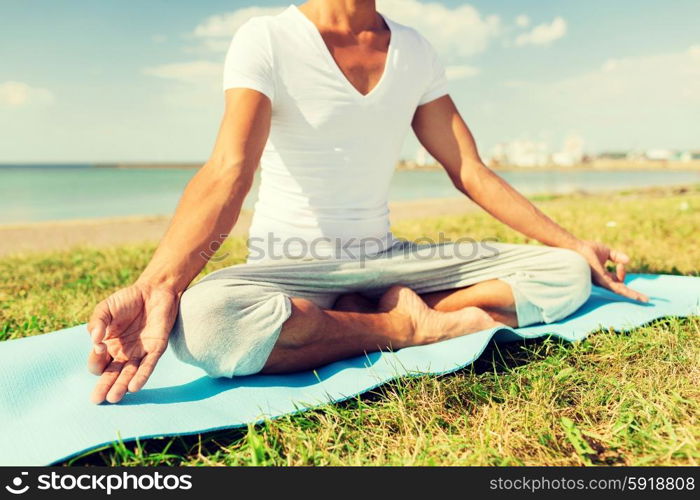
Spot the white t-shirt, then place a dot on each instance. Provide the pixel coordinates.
(331, 152)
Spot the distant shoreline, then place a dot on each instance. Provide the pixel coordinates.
(598, 165)
(595, 165)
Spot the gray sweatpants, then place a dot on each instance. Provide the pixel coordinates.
(229, 321)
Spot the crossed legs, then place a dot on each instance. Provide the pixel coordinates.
(313, 336)
(281, 318)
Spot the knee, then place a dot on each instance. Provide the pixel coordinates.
(576, 281)
(197, 327)
(228, 330)
(580, 272)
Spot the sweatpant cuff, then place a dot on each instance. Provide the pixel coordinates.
(527, 312)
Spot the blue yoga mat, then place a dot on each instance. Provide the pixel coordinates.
(46, 416)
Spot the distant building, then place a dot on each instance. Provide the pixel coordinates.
(614, 155)
(682, 156)
(423, 158)
(571, 153)
(658, 154)
(648, 156)
(520, 153)
(527, 153)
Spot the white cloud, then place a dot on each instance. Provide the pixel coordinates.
(543, 34)
(215, 32)
(14, 94)
(609, 65)
(626, 102)
(457, 72)
(633, 84)
(187, 72)
(193, 84)
(18, 94)
(522, 20)
(225, 25)
(642, 82)
(458, 32)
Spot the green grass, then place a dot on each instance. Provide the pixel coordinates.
(617, 399)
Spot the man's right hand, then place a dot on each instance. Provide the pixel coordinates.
(129, 330)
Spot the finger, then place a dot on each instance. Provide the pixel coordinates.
(612, 277)
(609, 281)
(607, 277)
(97, 362)
(119, 388)
(620, 272)
(601, 276)
(625, 291)
(145, 370)
(99, 321)
(619, 257)
(106, 381)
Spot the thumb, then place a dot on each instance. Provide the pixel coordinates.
(99, 321)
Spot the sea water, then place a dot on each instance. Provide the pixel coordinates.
(60, 192)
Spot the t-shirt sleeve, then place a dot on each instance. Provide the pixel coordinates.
(437, 81)
(249, 61)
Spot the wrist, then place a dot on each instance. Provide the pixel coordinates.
(574, 244)
(162, 282)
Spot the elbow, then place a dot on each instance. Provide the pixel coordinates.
(231, 165)
(462, 183)
(234, 176)
(468, 178)
(236, 170)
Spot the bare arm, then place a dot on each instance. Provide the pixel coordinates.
(212, 200)
(130, 328)
(442, 131)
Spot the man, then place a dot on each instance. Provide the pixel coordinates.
(322, 96)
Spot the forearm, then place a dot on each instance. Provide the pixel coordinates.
(501, 200)
(212, 201)
(442, 131)
(208, 209)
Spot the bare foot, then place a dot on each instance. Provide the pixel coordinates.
(424, 325)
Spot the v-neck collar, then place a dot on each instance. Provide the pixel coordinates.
(318, 38)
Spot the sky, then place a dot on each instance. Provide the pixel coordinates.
(127, 80)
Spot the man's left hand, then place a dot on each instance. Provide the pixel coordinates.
(597, 254)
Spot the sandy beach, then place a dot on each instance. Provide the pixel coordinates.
(102, 232)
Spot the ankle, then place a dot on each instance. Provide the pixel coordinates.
(400, 330)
